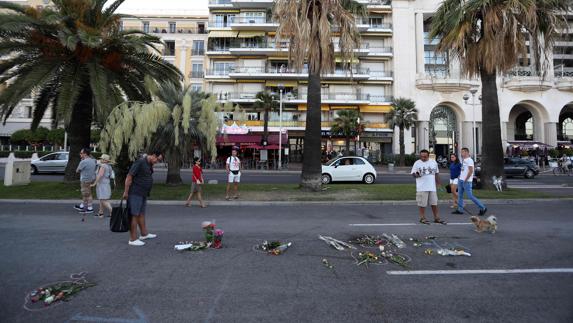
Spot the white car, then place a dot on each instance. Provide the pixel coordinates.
(348, 169)
(51, 163)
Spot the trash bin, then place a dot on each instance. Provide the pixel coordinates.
(17, 173)
(391, 167)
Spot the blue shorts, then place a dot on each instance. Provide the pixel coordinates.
(136, 204)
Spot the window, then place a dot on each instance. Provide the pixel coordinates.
(201, 28)
(172, 27)
(198, 47)
(223, 68)
(62, 156)
(146, 26)
(197, 87)
(169, 49)
(29, 112)
(358, 161)
(376, 22)
(197, 70)
(223, 20)
(253, 17)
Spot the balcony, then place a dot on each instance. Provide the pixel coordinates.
(246, 4)
(217, 74)
(197, 74)
(198, 52)
(564, 78)
(253, 23)
(443, 81)
(272, 48)
(166, 30)
(218, 50)
(334, 98)
(220, 4)
(270, 73)
(526, 80)
(385, 5)
(380, 52)
(380, 76)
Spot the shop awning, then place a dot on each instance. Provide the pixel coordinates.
(277, 58)
(250, 139)
(526, 144)
(223, 33)
(376, 108)
(285, 84)
(343, 107)
(250, 34)
(324, 107)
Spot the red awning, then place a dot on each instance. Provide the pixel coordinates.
(250, 139)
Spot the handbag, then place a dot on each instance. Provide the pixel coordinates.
(449, 189)
(120, 220)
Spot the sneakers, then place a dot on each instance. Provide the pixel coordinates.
(87, 211)
(148, 236)
(482, 211)
(457, 212)
(79, 207)
(137, 243)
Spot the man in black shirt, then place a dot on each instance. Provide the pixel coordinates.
(137, 188)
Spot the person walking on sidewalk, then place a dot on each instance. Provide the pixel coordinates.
(87, 169)
(233, 166)
(137, 188)
(427, 176)
(103, 184)
(465, 183)
(196, 183)
(455, 170)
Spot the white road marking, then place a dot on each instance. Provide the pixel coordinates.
(398, 224)
(483, 271)
(532, 186)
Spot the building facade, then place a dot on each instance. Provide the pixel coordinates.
(534, 109)
(244, 58)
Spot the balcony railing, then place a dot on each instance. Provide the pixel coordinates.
(380, 50)
(523, 137)
(286, 70)
(340, 96)
(197, 74)
(165, 30)
(252, 20)
(213, 2)
(198, 52)
(376, 2)
(561, 71)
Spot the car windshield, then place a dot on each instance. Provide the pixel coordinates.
(332, 161)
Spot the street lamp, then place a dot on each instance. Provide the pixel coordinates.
(473, 92)
(281, 89)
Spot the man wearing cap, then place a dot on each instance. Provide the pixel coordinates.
(233, 167)
(138, 185)
(87, 169)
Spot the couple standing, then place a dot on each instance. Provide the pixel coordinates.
(426, 172)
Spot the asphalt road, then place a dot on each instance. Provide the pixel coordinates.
(293, 178)
(46, 243)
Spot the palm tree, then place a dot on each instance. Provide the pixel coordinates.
(77, 62)
(346, 124)
(180, 134)
(266, 101)
(308, 26)
(403, 115)
(488, 38)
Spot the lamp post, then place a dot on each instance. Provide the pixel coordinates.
(281, 89)
(473, 92)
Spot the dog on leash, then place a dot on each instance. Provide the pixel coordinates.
(489, 224)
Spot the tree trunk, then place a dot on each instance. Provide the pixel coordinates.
(173, 168)
(492, 150)
(347, 153)
(121, 167)
(402, 148)
(79, 132)
(311, 166)
(266, 126)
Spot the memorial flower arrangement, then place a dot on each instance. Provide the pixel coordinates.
(218, 239)
(208, 230)
(275, 247)
(61, 291)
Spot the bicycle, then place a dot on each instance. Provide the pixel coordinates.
(562, 170)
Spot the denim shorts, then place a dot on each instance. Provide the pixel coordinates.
(136, 204)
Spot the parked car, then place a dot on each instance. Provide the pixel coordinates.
(515, 166)
(51, 163)
(348, 169)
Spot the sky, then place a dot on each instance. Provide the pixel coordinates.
(181, 7)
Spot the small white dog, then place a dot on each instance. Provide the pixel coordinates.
(489, 224)
(497, 182)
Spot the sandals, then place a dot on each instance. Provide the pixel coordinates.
(440, 221)
(424, 221)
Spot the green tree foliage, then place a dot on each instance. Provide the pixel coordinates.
(403, 115)
(347, 123)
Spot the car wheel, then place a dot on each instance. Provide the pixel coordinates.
(369, 179)
(325, 179)
(529, 174)
(34, 170)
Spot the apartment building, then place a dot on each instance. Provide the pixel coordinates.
(184, 37)
(536, 110)
(244, 58)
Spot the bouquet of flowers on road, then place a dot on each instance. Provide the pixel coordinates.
(54, 293)
(218, 239)
(275, 247)
(192, 245)
(208, 230)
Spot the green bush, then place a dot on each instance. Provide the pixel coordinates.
(56, 137)
(27, 136)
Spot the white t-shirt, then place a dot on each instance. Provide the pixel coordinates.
(234, 163)
(466, 163)
(428, 170)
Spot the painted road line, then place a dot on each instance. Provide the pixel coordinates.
(398, 224)
(540, 186)
(484, 271)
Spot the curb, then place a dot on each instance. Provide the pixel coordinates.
(298, 203)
